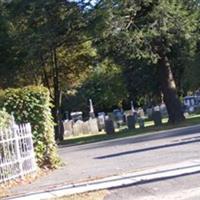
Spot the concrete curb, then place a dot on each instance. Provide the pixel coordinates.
(139, 177)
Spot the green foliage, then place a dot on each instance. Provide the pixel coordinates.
(140, 29)
(50, 42)
(50, 47)
(135, 79)
(30, 30)
(105, 86)
(32, 104)
(191, 81)
(159, 34)
(6, 49)
(5, 119)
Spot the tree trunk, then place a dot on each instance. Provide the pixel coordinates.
(168, 88)
(57, 99)
(46, 81)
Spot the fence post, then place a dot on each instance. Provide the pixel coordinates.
(29, 130)
(15, 129)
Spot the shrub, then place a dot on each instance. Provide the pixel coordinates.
(32, 104)
(5, 119)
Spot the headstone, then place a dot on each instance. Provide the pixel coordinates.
(101, 121)
(157, 118)
(118, 117)
(156, 108)
(77, 128)
(149, 112)
(131, 120)
(93, 126)
(163, 109)
(141, 122)
(85, 128)
(75, 116)
(109, 126)
(92, 115)
(141, 117)
(66, 115)
(132, 108)
(68, 128)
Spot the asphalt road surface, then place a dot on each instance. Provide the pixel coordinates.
(120, 156)
(181, 188)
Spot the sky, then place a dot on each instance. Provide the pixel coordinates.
(93, 2)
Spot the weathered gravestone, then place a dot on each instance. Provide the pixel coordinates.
(157, 118)
(131, 120)
(109, 126)
(78, 128)
(93, 126)
(141, 117)
(118, 117)
(141, 122)
(149, 112)
(101, 121)
(85, 128)
(68, 128)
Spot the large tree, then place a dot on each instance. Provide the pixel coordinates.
(49, 39)
(105, 86)
(148, 30)
(7, 54)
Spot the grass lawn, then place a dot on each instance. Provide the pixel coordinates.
(124, 132)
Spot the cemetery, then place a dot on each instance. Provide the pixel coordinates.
(92, 91)
(117, 121)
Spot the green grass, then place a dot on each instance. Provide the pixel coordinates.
(149, 127)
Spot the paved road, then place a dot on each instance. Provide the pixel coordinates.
(120, 156)
(182, 188)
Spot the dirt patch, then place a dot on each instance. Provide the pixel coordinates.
(28, 179)
(97, 195)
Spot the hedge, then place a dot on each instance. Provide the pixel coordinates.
(5, 119)
(32, 104)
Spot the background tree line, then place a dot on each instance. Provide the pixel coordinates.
(112, 51)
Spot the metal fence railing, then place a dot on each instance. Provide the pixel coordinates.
(17, 156)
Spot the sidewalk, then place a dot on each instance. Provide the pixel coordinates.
(136, 178)
(120, 156)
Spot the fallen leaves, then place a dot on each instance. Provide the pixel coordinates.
(28, 179)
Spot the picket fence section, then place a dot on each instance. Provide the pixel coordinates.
(17, 156)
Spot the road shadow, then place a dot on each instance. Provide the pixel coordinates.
(195, 140)
(190, 131)
(142, 182)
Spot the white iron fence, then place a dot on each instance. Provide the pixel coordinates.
(16, 152)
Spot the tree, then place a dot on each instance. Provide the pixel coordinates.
(191, 73)
(50, 38)
(148, 30)
(105, 86)
(6, 51)
(136, 79)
